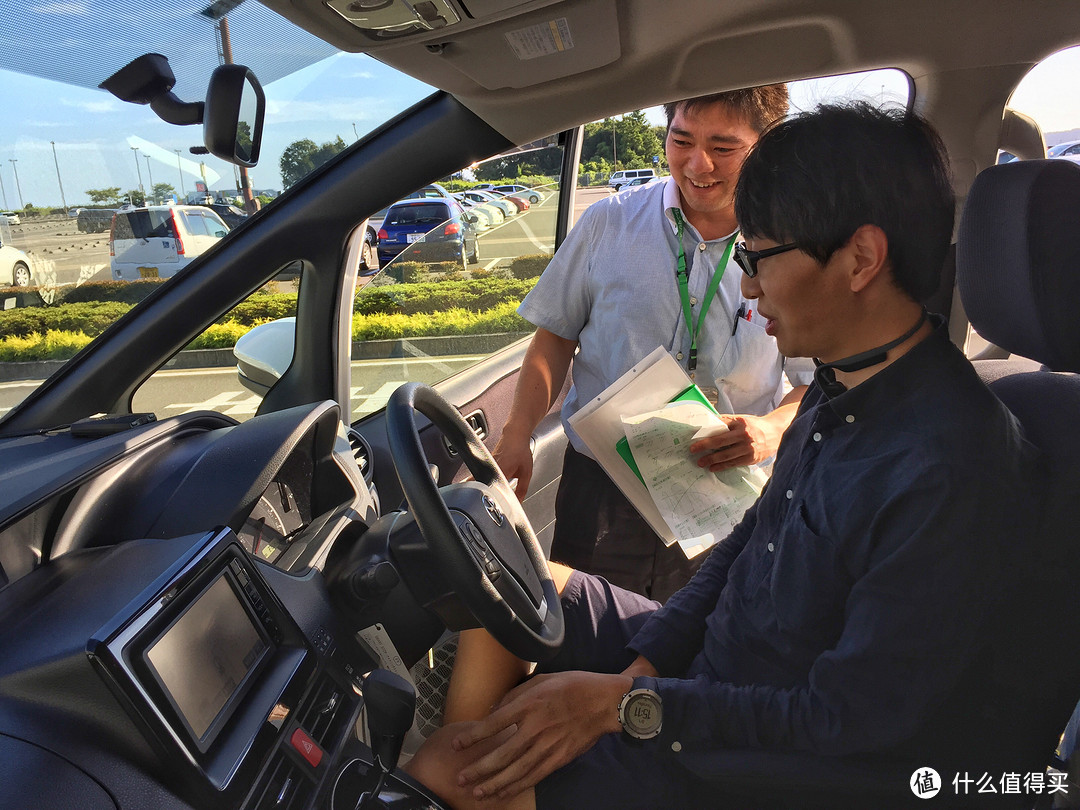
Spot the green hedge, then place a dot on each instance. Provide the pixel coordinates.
(50, 346)
(530, 266)
(125, 292)
(381, 326)
(470, 306)
(89, 318)
(475, 295)
(262, 307)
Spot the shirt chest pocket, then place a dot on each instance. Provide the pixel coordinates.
(807, 571)
(749, 361)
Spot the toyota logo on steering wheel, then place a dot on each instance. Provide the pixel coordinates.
(493, 510)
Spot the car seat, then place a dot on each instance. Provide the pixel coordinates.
(1018, 273)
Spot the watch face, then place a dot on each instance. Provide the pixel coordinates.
(642, 715)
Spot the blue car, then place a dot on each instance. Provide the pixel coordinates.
(428, 230)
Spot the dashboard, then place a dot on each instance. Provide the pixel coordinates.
(182, 647)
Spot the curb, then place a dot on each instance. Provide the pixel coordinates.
(361, 350)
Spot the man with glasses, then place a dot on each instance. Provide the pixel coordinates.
(646, 268)
(849, 610)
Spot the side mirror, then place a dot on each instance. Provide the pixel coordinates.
(232, 115)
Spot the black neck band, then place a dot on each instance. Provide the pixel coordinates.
(825, 373)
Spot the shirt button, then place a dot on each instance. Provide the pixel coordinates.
(817, 437)
(771, 547)
(693, 302)
(676, 746)
(678, 356)
(701, 247)
(790, 494)
(849, 418)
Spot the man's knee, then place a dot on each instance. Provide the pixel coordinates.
(437, 764)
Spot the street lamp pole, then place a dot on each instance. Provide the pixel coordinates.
(150, 175)
(614, 154)
(58, 180)
(3, 190)
(138, 170)
(180, 169)
(17, 186)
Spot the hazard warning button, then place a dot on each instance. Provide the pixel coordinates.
(307, 747)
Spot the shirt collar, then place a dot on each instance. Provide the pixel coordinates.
(895, 380)
(671, 202)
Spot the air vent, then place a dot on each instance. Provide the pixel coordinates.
(287, 789)
(361, 452)
(325, 713)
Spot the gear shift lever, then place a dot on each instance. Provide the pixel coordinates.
(390, 702)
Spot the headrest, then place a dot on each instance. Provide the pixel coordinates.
(1018, 259)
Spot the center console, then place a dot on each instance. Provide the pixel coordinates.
(242, 679)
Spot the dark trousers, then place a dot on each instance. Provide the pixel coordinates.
(598, 530)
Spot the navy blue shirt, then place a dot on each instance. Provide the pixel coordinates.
(848, 601)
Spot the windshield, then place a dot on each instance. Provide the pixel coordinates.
(85, 173)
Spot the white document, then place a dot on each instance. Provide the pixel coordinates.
(648, 387)
(700, 507)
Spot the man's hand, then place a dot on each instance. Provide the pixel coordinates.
(541, 725)
(514, 457)
(748, 440)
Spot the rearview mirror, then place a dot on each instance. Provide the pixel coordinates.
(232, 124)
(232, 115)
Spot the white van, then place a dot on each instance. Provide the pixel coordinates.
(621, 178)
(159, 240)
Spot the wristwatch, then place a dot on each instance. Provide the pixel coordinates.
(641, 711)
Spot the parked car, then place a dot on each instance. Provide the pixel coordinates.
(94, 220)
(520, 203)
(526, 193)
(196, 579)
(620, 178)
(14, 263)
(430, 190)
(640, 181)
(157, 241)
(12, 217)
(230, 214)
(1064, 149)
(429, 229)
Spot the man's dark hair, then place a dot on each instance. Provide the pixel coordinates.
(757, 106)
(814, 179)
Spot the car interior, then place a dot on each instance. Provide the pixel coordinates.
(213, 607)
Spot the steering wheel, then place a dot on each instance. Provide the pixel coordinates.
(478, 533)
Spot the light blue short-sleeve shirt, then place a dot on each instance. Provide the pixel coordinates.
(612, 287)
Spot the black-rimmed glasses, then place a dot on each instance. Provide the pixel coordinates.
(748, 259)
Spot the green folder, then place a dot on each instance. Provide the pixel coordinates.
(691, 394)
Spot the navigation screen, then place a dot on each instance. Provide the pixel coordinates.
(203, 659)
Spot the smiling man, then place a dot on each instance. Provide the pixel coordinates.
(847, 612)
(646, 268)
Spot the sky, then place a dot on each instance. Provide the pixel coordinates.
(87, 136)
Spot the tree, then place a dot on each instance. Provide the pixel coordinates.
(629, 142)
(303, 156)
(163, 191)
(136, 197)
(104, 196)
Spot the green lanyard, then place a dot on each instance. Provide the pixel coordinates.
(683, 277)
